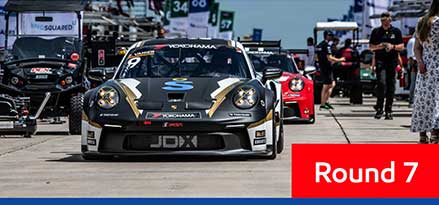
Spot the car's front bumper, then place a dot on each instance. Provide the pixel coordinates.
(219, 138)
(298, 108)
(14, 126)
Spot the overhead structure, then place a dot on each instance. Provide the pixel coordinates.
(407, 9)
(337, 26)
(44, 5)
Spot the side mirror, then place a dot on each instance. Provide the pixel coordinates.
(102, 74)
(309, 70)
(271, 73)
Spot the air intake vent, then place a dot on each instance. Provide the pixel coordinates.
(175, 97)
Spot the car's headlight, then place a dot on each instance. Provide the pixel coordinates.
(297, 85)
(107, 97)
(245, 97)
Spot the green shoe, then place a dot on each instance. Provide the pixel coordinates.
(329, 106)
(324, 107)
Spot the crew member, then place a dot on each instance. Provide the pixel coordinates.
(386, 42)
(326, 58)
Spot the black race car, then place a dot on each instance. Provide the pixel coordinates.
(185, 97)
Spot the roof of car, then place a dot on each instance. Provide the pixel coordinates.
(44, 5)
(187, 41)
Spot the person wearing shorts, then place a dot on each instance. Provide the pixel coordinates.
(326, 59)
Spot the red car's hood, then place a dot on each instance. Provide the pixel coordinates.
(286, 77)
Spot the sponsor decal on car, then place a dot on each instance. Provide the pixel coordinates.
(178, 84)
(41, 70)
(173, 124)
(142, 54)
(201, 46)
(173, 115)
(260, 141)
(260, 52)
(174, 141)
(109, 115)
(240, 114)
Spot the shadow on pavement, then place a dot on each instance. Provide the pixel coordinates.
(156, 158)
(371, 114)
(52, 133)
(373, 111)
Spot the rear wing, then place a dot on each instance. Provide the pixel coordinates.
(262, 46)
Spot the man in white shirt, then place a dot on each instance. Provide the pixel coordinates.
(412, 66)
(310, 60)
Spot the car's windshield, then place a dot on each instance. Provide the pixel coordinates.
(39, 48)
(282, 61)
(184, 61)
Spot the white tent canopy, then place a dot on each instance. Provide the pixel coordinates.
(336, 25)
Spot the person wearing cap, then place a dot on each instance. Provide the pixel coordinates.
(326, 59)
(386, 42)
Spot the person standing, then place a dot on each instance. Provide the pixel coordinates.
(310, 60)
(386, 42)
(425, 116)
(326, 59)
(412, 66)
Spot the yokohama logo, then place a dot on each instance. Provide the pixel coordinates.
(192, 46)
(171, 115)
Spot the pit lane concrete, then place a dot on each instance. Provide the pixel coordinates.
(49, 165)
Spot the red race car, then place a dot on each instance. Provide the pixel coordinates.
(297, 87)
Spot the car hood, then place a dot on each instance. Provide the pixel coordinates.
(286, 77)
(173, 94)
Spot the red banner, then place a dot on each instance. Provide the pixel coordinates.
(365, 171)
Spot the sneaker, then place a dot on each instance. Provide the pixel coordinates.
(388, 116)
(379, 114)
(329, 106)
(434, 139)
(324, 107)
(423, 139)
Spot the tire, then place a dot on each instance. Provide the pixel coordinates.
(312, 119)
(280, 142)
(75, 114)
(274, 151)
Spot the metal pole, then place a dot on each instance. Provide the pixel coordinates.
(78, 13)
(6, 31)
(16, 25)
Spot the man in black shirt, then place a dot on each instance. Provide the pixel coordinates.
(326, 59)
(386, 42)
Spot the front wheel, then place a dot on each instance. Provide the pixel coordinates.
(280, 142)
(274, 143)
(75, 115)
(311, 120)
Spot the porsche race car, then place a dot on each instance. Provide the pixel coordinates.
(297, 87)
(184, 97)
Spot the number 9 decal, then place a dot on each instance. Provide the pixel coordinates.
(133, 62)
